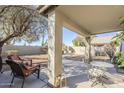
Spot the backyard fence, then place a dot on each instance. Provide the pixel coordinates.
(81, 50)
(23, 50)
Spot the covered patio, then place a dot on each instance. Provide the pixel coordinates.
(84, 20)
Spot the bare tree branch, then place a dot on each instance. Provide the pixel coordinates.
(19, 22)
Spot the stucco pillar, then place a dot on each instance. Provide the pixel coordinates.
(55, 48)
(88, 56)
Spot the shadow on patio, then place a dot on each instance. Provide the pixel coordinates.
(30, 82)
(77, 76)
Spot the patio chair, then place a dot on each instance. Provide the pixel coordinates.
(17, 58)
(98, 76)
(22, 71)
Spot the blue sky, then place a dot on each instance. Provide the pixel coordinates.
(68, 36)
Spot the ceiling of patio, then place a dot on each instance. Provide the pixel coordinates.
(95, 19)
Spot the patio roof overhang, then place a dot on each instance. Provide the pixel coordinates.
(86, 20)
(95, 19)
(46, 9)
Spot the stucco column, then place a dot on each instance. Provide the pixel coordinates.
(88, 49)
(55, 48)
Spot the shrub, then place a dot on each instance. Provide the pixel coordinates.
(120, 59)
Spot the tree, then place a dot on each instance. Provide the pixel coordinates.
(78, 41)
(120, 36)
(43, 41)
(20, 23)
(110, 49)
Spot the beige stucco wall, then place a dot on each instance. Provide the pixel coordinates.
(81, 50)
(23, 50)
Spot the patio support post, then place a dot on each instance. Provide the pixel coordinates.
(88, 49)
(55, 48)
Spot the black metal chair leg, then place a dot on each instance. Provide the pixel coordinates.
(38, 74)
(12, 81)
(23, 83)
(1, 71)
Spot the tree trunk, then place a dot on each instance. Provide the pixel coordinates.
(42, 41)
(1, 45)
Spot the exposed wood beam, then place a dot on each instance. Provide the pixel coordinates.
(45, 9)
(42, 8)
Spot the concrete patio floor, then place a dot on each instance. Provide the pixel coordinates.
(30, 82)
(73, 71)
(76, 74)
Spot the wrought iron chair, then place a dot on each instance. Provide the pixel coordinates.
(98, 75)
(21, 71)
(16, 57)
